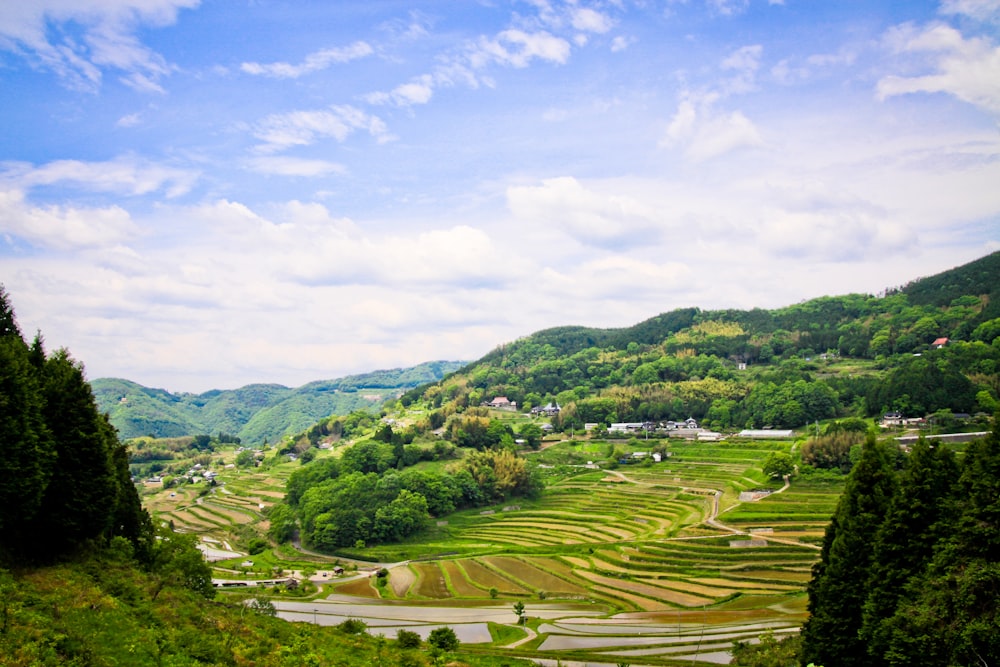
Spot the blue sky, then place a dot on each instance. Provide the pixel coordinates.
(200, 195)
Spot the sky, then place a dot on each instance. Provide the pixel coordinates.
(200, 194)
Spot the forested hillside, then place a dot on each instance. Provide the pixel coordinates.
(928, 347)
(910, 567)
(255, 413)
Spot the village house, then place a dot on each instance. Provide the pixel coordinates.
(550, 410)
(501, 403)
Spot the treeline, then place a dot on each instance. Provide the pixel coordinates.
(737, 369)
(64, 476)
(371, 495)
(910, 568)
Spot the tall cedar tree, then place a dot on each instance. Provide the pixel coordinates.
(83, 491)
(837, 592)
(64, 477)
(916, 519)
(25, 442)
(951, 614)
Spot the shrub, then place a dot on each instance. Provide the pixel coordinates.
(353, 626)
(408, 639)
(444, 639)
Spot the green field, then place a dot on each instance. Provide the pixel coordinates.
(636, 546)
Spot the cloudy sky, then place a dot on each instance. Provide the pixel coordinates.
(203, 194)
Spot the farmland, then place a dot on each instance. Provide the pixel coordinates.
(658, 562)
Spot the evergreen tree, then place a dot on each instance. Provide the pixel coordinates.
(64, 477)
(83, 491)
(25, 441)
(917, 516)
(837, 592)
(951, 614)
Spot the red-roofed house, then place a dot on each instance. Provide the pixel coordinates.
(939, 343)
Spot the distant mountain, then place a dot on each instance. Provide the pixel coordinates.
(256, 412)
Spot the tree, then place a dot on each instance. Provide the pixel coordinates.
(83, 489)
(907, 537)
(177, 562)
(25, 466)
(836, 591)
(778, 465)
(532, 435)
(949, 613)
(519, 610)
(444, 639)
(64, 477)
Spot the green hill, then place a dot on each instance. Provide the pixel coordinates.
(257, 412)
(851, 355)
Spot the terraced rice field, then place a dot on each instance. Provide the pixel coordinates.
(636, 545)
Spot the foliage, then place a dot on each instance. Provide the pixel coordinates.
(97, 611)
(832, 450)
(408, 639)
(778, 465)
(364, 496)
(352, 626)
(836, 599)
(443, 638)
(769, 652)
(912, 580)
(64, 478)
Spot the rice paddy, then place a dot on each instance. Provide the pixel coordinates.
(671, 564)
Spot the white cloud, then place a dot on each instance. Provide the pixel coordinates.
(302, 128)
(565, 206)
(621, 43)
(280, 165)
(314, 62)
(590, 20)
(125, 175)
(969, 69)
(728, 7)
(418, 91)
(705, 133)
(744, 59)
(63, 227)
(617, 277)
(129, 120)
(982, 10)
(109, 38)
(518, 48)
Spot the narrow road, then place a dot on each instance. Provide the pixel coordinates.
(531, 635)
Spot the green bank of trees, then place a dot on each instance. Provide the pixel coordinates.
(64, 477)
(369, 495)
(910, 568)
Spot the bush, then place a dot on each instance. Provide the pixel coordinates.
(444, 639)
(353, 626)
(408, 639)
(256, 546)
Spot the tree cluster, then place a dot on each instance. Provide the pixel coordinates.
(365, 497)
(64, 475)
(910, 567)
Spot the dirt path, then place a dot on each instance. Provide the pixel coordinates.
(531, 635)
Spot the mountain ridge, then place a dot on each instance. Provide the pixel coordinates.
(256, 412)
